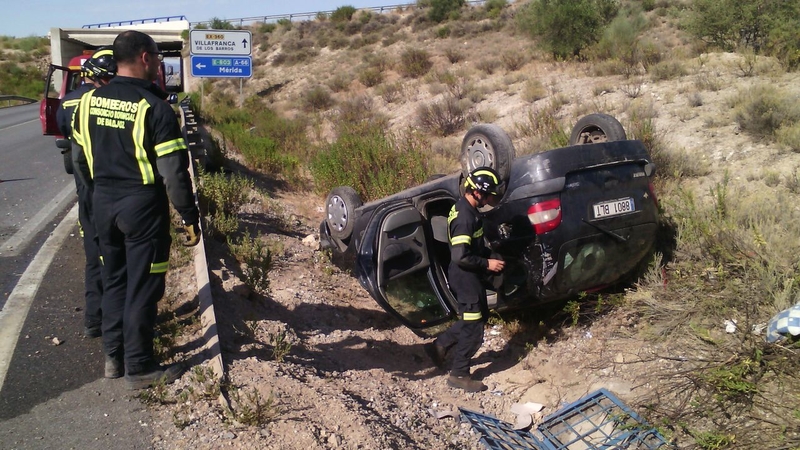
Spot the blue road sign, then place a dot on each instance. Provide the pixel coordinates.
(222, 66)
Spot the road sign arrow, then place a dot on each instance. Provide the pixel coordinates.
(200, 66)
(244, 43)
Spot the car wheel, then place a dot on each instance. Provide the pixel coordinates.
(487, 145)
(596, 128)
(339, 211)
(68, 162)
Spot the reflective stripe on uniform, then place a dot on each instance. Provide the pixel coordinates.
(461, 239)
(472, 316)
(165, 148)
(159, 267)
(139, 127)
(81, 136)
(478, 234)
(70, 103)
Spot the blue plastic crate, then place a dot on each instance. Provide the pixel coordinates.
(598, 421)
(499, 435)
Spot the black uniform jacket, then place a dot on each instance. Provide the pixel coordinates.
(467, 249)
(131, 138)
(68, 104)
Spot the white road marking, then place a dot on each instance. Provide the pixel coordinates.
(13, 315)
(20, 124)
(14, 245)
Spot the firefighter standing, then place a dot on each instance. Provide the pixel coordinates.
(470, 262)
(98, 70)
(133, 146)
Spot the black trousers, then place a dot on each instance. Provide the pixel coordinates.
(93, 278)
(133, 229)
(465, 336)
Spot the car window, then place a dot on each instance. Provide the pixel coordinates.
(414, 299)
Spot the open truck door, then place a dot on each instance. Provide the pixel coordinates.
(50, 104)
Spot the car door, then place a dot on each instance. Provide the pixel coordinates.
(394, 264)
(49, 105)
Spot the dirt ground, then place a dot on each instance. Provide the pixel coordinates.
(354, 378)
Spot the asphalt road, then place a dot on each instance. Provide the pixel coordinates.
(34, 190)
(52, 396)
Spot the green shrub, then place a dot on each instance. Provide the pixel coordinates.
(622, 39)
(371, 160)
(316, 99)
(494, 8)
(762, 110)
(513, 59)
(357, 113)
(441, 10)
(224, 193)
(255, 258)
(371, 76)
(789, 136)
(444, 117)
(667, 70)
(453, 54)
(343, 14)
(415, 63)
(533, 90)
(390, 93)
(23, 81)
(566, 27)
(220, 24)
(769, 26)
(339, 82)
(544, 126)
(267, 141)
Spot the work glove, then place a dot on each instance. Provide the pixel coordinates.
(192, 236)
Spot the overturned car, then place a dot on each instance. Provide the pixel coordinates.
(568, 220)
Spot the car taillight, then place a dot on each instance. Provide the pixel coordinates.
(545, 216)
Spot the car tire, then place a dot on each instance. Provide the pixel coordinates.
(68, 162)
(487, 145)
(339, 211)
(596, 128)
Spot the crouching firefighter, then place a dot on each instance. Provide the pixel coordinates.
(470, 263)
(135, 153)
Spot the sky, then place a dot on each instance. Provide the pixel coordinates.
(23, 18)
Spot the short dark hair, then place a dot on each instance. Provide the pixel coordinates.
(130, 44)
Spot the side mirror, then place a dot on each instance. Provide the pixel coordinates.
(170, 70)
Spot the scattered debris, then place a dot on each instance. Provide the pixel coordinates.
(57, 341)
(597, 421)
(730, 326)
(310, 241)
(783, 323)
(527, 414)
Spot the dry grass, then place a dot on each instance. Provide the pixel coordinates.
(725, 252)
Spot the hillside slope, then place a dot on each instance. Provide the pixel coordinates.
(353, 378)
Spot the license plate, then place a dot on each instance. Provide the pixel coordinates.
(613, 208)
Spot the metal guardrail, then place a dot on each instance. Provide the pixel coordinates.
(311, 15)
(18, 98)
(136, 22)
(7, 101)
